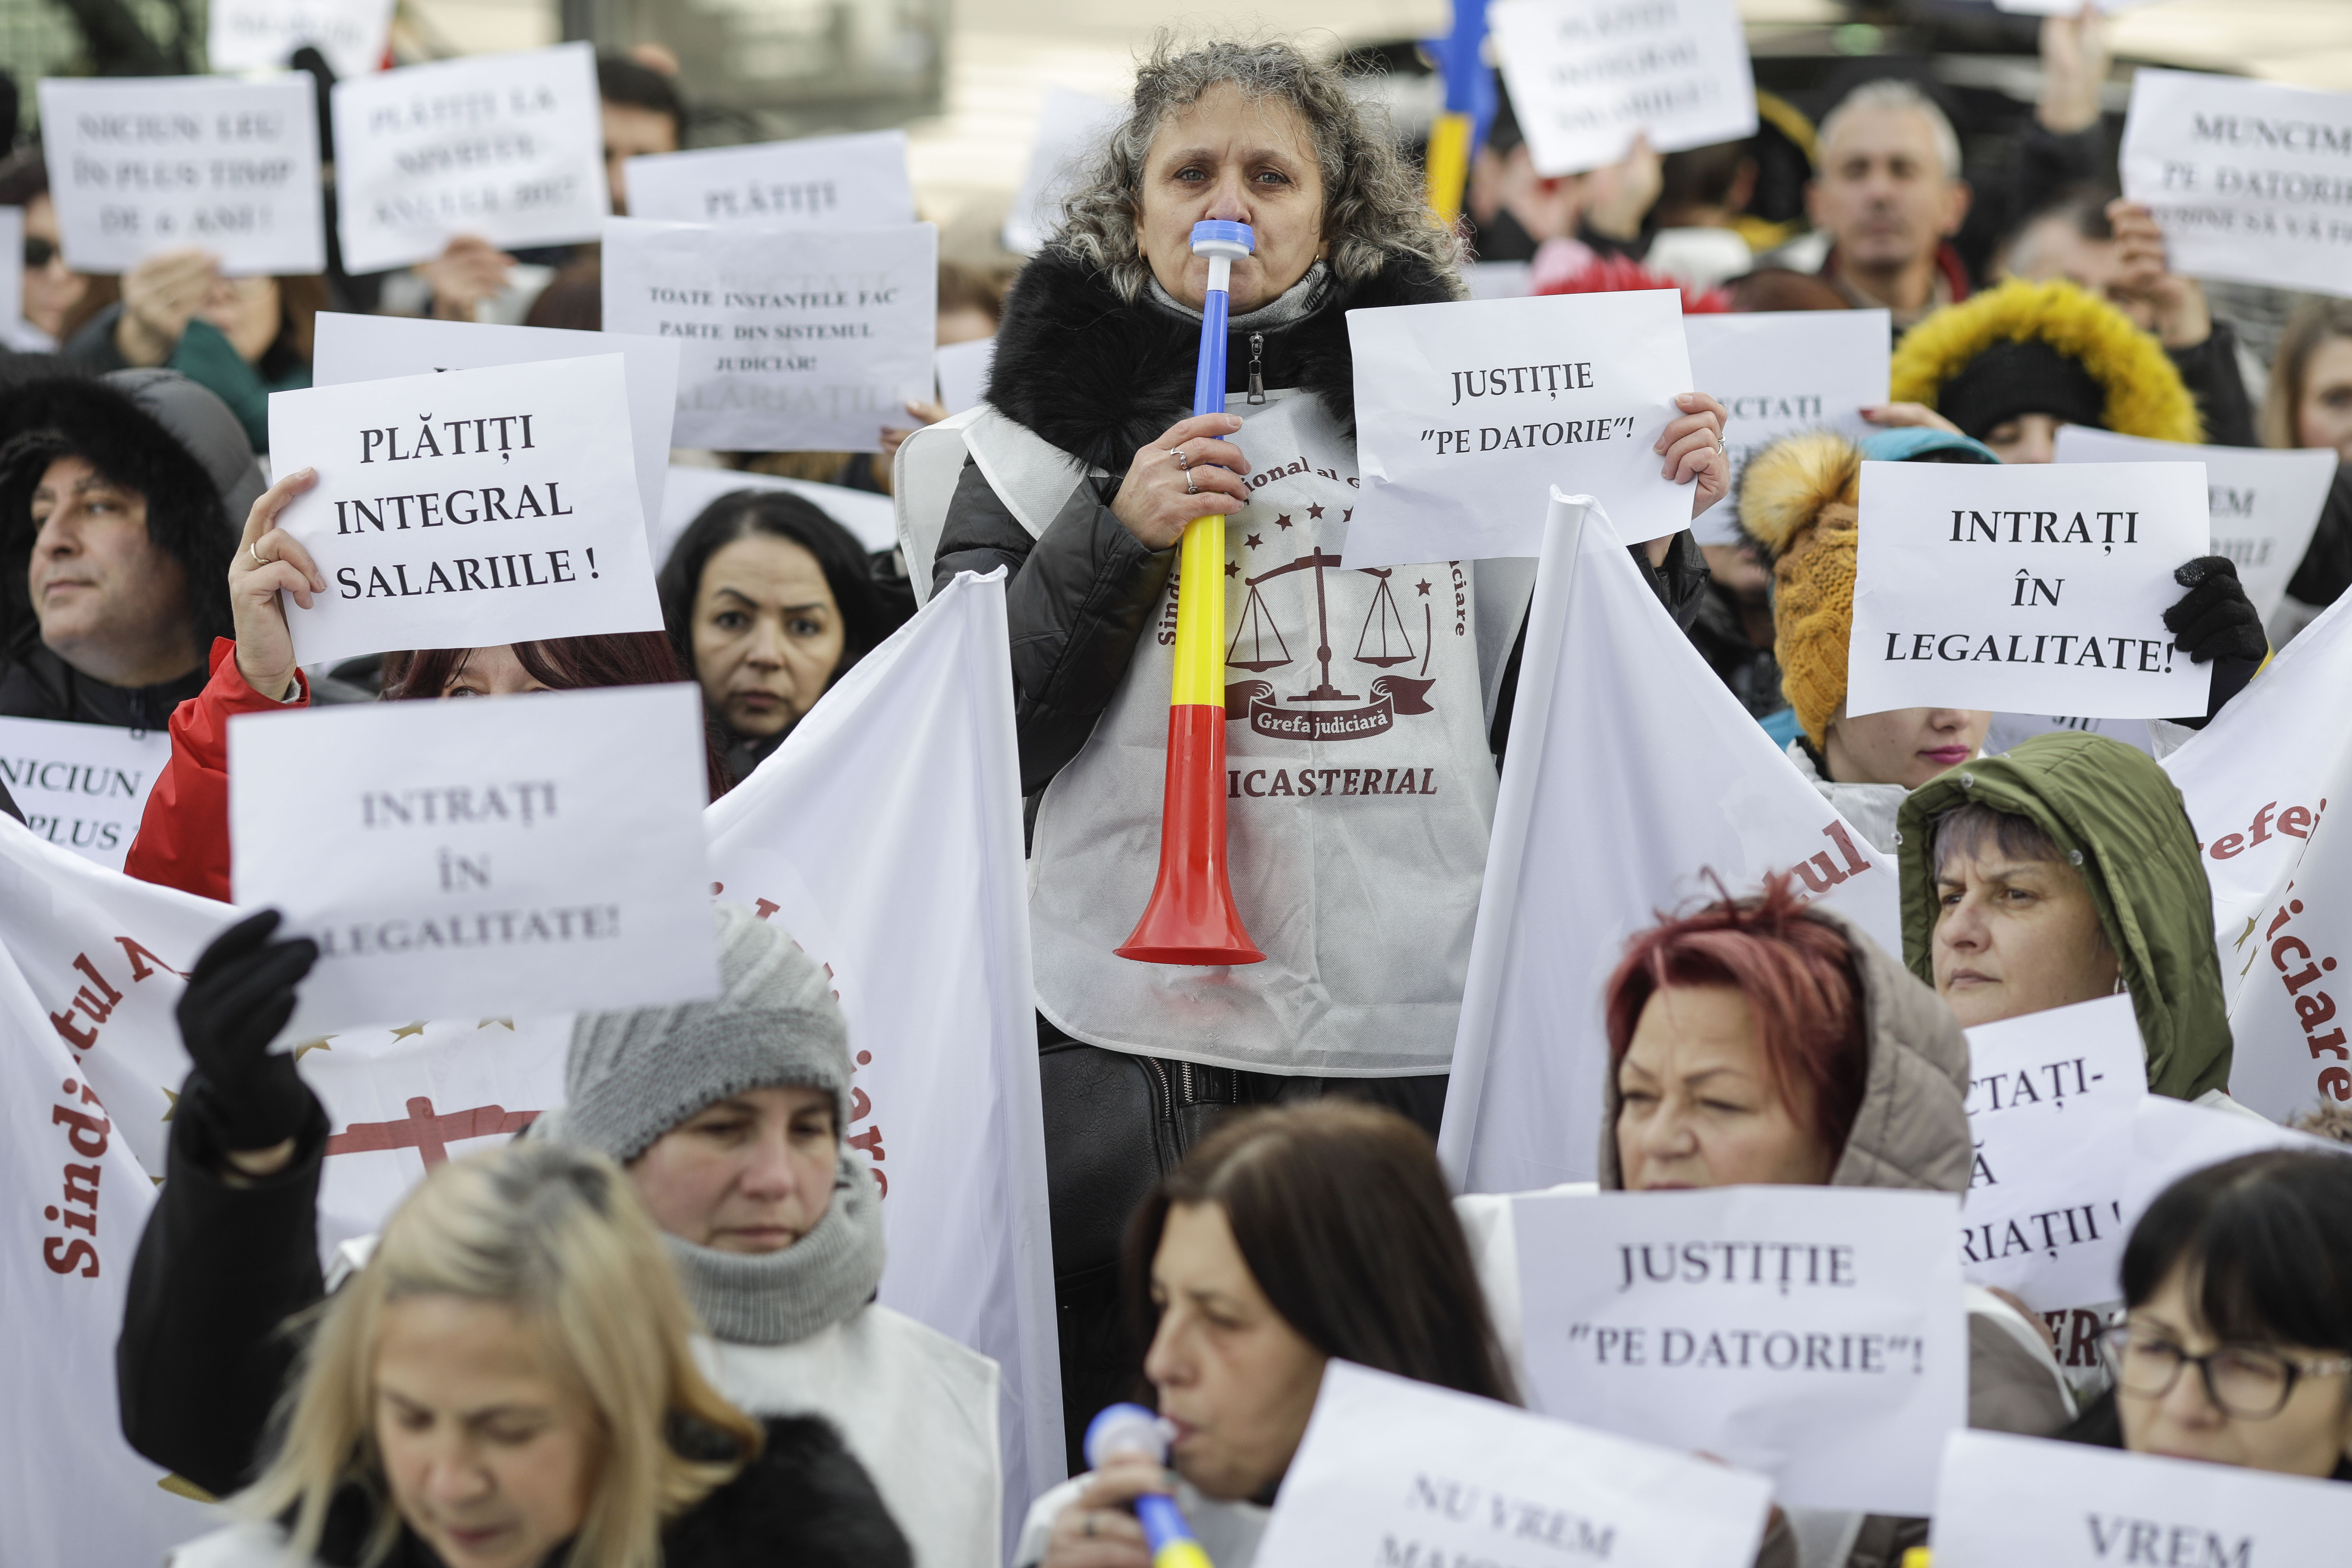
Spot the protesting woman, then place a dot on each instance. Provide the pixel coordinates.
(183, 838)
(725, 1116)
(769, 602)
(508, 1383)
(1286, 1238)
(2309, 404)
(2236, 1346)
(1357, 855)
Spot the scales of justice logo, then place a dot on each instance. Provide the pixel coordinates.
(1324, 712)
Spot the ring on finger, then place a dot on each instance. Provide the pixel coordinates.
(254, 549)
(1182, 460)
(1191, 487)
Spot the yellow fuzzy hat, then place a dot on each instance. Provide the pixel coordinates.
(1797, 499)
(2144, 395)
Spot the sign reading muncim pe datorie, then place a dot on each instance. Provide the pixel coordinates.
(506, 148)
(451, 860)
(814, 182)
(466, 510)
(799, 340)
(2034, 589)
(2250, 181)
(1468, 414)
(138, 165)
(1588, 76)
(1815, 1334)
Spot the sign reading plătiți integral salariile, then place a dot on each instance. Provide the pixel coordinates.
(2035, 589)
(535, 854)
(795, 340)
(142, 165)
(460, 510)
(1469, 413)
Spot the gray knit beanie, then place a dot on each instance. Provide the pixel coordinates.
(632, 1076)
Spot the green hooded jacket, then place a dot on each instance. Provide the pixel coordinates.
(2118, 818)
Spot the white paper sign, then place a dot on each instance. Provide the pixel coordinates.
(2063, 8)
(2264, 504)
(2037, 588)
(963, 373)
(2004, 1501)
(1816, 1334)
(817, 182)
(1586, 76)
(2171, 1138)
(377, 348)
(868, 517)
(453, 859)
(1393, 1472)
(82, 787)
(2246, 178)
(262, 34)
(12, 276)
(1469, 414)
(1780, 372)
(142, 165)
(794, 341)
(467, 509)
(509, 148)
(2051, 1099)
(1071, 125)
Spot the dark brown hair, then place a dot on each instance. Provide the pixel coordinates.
(1797, 972)
(563, 664)
(1341, 1214)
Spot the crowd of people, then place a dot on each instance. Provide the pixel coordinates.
(646, 1331)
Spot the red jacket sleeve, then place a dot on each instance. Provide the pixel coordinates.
(184, 838)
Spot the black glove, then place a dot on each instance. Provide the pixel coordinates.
(2215, 620)
(239, 996)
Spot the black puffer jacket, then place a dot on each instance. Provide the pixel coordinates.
(1099, 377)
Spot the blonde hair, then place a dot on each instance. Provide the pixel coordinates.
(555, 1234)
(1373, 208)
(2311, 323)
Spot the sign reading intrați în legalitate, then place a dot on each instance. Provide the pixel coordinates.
(2035, 589)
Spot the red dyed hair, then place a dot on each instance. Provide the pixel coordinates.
(1797, 972)
(563, 664)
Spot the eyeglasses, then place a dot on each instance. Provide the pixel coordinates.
(39, 252)
(2245, 1381)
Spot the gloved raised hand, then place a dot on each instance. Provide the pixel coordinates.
(2215, 620)
(239, 995)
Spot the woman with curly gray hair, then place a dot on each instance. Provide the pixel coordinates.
(1361, 772)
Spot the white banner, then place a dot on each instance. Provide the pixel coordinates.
(1780, 372)
(71, 1487)
(1071, 128)
(465, 510)
(2037, 588)
(868, 517)
(509, 148)
(1632, 773)
(456, 858)
(810, 341)
(817, 181)
(82, 787)
(139, 164)
(1394, 1472)
(1461, 437)
(2248, 179)
(2264, 505)
(2171, 1138)
(2004, 1501)
(1816, 1334)
(2291, 1022)
(379, 348)
(262, 34)
(1586, 76)
(2255, 780)
(2051, 1101)
(12, 277)
(885, 835)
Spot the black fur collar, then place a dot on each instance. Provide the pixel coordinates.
(1098, 377)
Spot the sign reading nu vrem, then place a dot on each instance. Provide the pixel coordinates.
(82, 787)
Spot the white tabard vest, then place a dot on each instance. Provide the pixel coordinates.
(1359, 795)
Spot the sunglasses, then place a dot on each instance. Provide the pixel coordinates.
(39, 252)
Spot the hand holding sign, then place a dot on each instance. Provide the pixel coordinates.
(271, 562)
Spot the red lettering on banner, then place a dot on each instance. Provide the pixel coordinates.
(2302, 974)
(76, 1208)
(97, 998)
